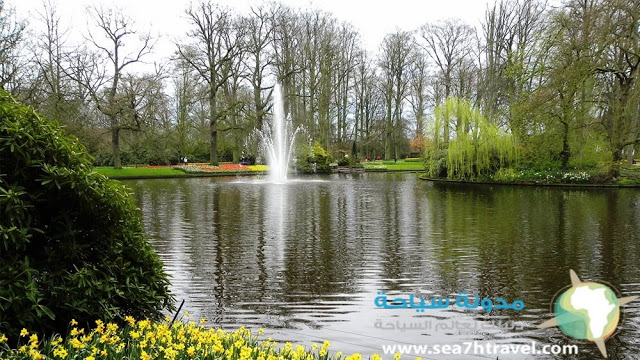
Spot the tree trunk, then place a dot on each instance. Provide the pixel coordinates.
(213, 131)
(629, 152)
(566, 151)
(388, 132)
(115, 142)
(616, 156)
(213, 127)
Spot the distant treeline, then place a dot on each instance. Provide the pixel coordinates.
(560, 83)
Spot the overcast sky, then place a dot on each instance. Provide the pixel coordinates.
(166, 18)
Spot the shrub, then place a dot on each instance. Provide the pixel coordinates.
(505, 175)
(71, 241)
(345, 161)
(314, 161)
(436, 162)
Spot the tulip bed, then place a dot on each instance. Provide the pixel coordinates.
(222, 168)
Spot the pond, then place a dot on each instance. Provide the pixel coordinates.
(305, 260)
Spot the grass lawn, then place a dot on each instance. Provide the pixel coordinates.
(629, 174)
(400, 165)
(140, 171)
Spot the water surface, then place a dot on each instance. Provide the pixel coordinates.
(305, 260)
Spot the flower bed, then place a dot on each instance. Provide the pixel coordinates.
(542, 176)
(378, 166)
(258, 168)
(145, 340)
(222, 168)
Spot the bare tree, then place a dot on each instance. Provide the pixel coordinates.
(236, 103)
(512, 55)
(368, 104)
(186, 98)
(144, 102)
(287, 56)
(394, 63)
(347, 61)
(103, 85)
(51, 91)
(11, 36)
(618, 68)
(259, 27)
(448, 43)
(418, 86)
(215, 45)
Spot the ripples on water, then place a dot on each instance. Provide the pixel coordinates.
(304, 260)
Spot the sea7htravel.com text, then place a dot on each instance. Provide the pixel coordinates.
(481, 348)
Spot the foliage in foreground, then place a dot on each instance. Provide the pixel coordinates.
(147, 340)
(71, 241)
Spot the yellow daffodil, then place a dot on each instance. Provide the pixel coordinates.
(35, 355)
(355, 356)
(171, 341)
(57, 340)
(99, 326)
(60, 352)
(77, 344)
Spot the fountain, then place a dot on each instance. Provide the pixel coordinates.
(278, 140)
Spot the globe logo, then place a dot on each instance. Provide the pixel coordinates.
(587, 311)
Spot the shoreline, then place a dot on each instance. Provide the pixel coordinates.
(531, 184)
(434, 180)
(249, 173)
(186, 175)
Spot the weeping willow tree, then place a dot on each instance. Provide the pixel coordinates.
(464, 145)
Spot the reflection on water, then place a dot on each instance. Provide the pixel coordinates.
(305, 259)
